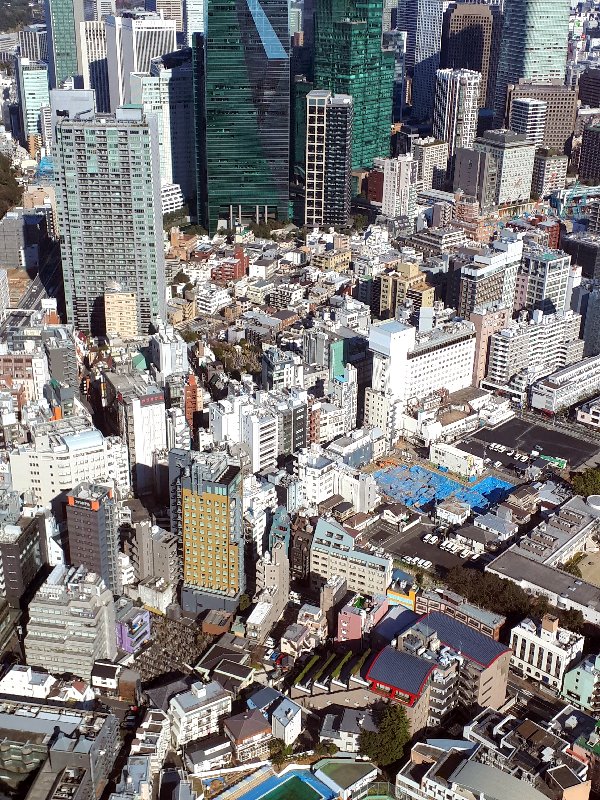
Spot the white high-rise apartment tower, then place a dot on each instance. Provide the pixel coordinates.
(399, 187)
(455, 108)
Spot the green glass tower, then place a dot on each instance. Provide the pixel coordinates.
(349, 59)
(242, 112)
(63, 18)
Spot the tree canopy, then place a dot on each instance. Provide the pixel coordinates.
(587, 482)
(386, 745)
(10, 191)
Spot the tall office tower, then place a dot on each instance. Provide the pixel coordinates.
(535, 34)
(206, 515)
(328, 158)
(300, 89)
(561, 109)
(470, 40)
(396, 41)
(400, 187)
(94, 63)
(589, 160)
(168, 9)
(108, 193)
(349, 59)
(407, 22)
(242, 112)
(132, 41)
(428, 43)
(528, 117)
(168, 92)
(457, 94)
(62, 26)
(33, 95)
(93, 535)
(33, 42)
(97, 10)
(589, 87)
(194, 19)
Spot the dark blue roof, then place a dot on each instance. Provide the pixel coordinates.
(400, 670)
(476, 646)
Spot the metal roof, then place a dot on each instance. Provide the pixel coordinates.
(400, 670)
(476, 646)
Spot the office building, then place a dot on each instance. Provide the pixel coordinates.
(349, 59)
(167, 92)
(242, 110)
(64, 453)
(589, 159)
(432, 157)
(428, 43)
(589, 87)
(32, 94)
(533, 45)
(132, 41)
(198, 713)
(110, 219)
(94, 62)
(206, 513)
(497, 170)
(33, 42)
(528, 117)
(584, 249)
(328, 172)
(93, 536)
(567, 386)
(471, 37)
(168, 9)
(71, 623)
(97, 10)
(63, 18)
(400, 188)
(521, 351)
(24, 241)
(23, 555)
(560, 114)
(487, 321)
(543, 652)
(194, 19)
(154, 552)
(394, 289)
(549, 172)
(455, 107)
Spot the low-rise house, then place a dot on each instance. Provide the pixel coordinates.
(250, 734)
(284, 715)
(215, 752)
(344, 729)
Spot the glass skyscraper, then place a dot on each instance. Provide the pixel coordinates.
(349, 59)
(63, 18)
(534, 44)
(242, 100)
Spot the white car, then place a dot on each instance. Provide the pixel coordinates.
(428, 564)
(427, 537)
(434, 540)
(465, 553)
(524, 458)
(509, 452)
(497, 464)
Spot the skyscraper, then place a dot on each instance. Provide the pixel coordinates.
(32, 91)
(428, 45)
(167, 92)
(349, 59)
(242, 112)
(108, 196)
(33, 42)
(471, 38)
(94, 63)
(194, 13)
(92, 526)
(132, 41)
(328, 158)
(534, 44)
(455, 109)
(400, 187)
(62, 26)
(206, 514)
(528, 117)
(170, 9)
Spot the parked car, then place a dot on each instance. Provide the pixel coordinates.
(497, 464)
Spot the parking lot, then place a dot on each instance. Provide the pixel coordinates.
(525, 436)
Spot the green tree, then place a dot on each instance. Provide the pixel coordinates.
(244, 602)
(572, 568)
(279, 751)
(587, 482)
(326, 748)
(10, 191)
(386, 745)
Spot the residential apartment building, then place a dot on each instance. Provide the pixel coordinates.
(328, 158)
(198, 713)
(71, 623)
(23, 554)
(567, 386)
(457, 93)
(406, 283)
(250, 734)
(431, 156)
(400, 187)
(334, 552)
(455, 606)
(543, 652)
(487, 321)
(526, 350)
(549, 172)
(206, 515)
(581, 685)
(543, 280)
